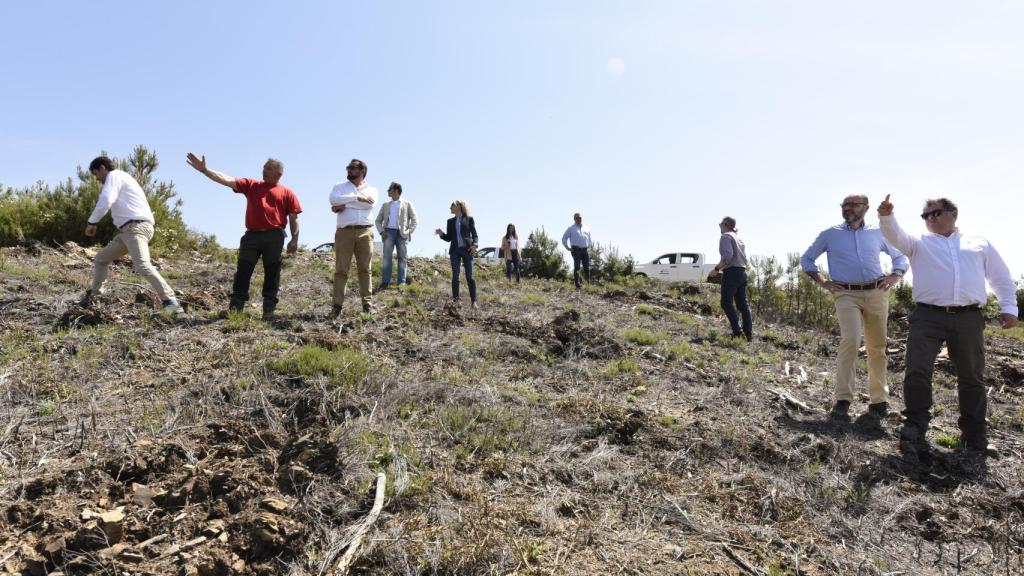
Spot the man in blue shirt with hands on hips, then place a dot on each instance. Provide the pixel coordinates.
(577, 241)
(860, 288)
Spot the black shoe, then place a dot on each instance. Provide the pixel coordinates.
(841, 409)
(335, 311)
(879, 409)
(911, 434)
(369, 309)
(87, 299)
(981, 448)
(269, 315)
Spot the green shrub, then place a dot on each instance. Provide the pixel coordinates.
(542, 257)
(947, 440)
(343, 367)
(479, 431)
(61, 213)
(643, 337)
(607, 265)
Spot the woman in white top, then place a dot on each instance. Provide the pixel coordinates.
(510, 251)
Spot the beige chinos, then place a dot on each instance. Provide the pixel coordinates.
(132, 239)
(862, 311)
(349, 241)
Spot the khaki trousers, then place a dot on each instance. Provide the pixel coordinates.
(133, 239)
(349, 242)
(862, 312)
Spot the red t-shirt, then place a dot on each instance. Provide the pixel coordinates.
(268, 206)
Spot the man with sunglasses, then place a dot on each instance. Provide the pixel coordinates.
(950, 270)
(353, 200)
(860, 289)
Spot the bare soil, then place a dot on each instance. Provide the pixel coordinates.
(614, 430)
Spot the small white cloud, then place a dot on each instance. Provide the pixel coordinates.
(616, 67)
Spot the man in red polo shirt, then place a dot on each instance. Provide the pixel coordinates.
(269, 205)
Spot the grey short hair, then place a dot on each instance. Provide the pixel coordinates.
(274, 162)
(946, 203)
(729, 221)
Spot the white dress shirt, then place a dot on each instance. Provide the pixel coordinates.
(394, 209)
(951, 270)
(124, 198)
(356, 213)
(576, 236)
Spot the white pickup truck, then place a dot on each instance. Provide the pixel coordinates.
(676, 267)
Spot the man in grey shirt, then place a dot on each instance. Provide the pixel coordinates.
(733, 266)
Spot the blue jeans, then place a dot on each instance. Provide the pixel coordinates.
(734, 288)
(393, 239)
(580, 256)
(466, 257)
(511, 264)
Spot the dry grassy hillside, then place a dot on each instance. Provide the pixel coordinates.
(613, 431)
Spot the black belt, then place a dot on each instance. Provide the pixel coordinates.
(949, 309)
(265, 229)
(864, 286)
(126, 224)
(355, 226)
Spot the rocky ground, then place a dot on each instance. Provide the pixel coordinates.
(611, 431)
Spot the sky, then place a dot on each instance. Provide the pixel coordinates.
(654, 119)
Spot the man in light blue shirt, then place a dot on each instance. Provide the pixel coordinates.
(860, 287)
(577, 241)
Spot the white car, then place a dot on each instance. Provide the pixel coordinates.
(676, 267)
(489, 254)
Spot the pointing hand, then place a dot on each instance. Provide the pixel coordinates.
(885, 208)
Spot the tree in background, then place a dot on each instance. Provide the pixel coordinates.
(56, 215)
(542, 257)
(607, 264)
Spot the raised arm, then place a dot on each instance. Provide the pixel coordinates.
(891, 230)
(199, 163)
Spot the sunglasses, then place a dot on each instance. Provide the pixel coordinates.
(933, 214)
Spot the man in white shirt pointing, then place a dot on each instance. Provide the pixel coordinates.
(124, 199)
(950, 270)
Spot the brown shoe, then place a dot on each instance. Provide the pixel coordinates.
(879, 409)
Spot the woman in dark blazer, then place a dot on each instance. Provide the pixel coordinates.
(463, 238)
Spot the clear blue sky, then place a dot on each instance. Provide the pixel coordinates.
(653, 119)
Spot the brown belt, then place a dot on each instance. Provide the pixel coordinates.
(355, 227)
(865, 286)
(949, 309)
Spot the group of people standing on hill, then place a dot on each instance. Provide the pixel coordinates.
(271, 207)
(950, 271)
